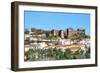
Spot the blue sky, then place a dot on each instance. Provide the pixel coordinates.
(56, 20)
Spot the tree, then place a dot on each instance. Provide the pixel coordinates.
(78, 36)
(68, 54)
(29, 55)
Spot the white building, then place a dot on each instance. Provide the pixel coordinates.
(33, 39)
(65, 42)
(27, 36)
(86, 42)
(39, 45)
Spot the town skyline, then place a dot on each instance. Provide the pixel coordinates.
(30, 29)
(50, 29)
(58, 21)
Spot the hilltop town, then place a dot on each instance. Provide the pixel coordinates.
(43, 40)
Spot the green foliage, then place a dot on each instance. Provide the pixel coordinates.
(27, 32)
(79, 36)
(55, 54)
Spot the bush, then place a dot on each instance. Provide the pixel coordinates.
(55, 54)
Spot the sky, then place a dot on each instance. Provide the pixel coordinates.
(56, 20)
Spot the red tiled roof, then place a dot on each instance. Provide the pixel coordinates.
(27, 46)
